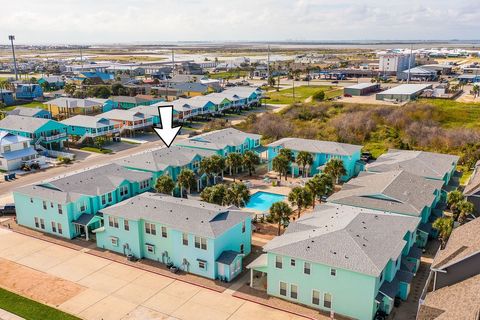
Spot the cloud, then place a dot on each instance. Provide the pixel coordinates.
(107, 21)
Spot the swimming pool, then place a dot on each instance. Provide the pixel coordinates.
(262, 201)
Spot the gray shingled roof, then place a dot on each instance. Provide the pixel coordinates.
(345, 237)
(393, 191)
(91, 182)
(317, 146)
(65, 102)
(192, 216)
(24, 111)
(219, 139)
(161, 158)
(120, 114)
(87, 121)
(127, 99)
(422, 163)
(24, 124)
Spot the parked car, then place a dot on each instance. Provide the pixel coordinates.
(335, 81)
(347, 95)
(7, 209)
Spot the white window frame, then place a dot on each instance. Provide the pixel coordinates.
(313, 296)
(331, 300)
(280, 289)
(185, 239)
(202, 265)
(278, 264)
(59, 228)
(296, 291)
(54, 227)
(150, 248)
(164, 232)
(114, 241)
(305, 268)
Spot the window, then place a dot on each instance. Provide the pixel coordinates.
(316, 297)
(283, 289)
(278, 262)
(82, 207)
(51, 204)
(54, 227)
(104, 199)
(185, 239)
(144, 184)
(381, 276)
(114, 241)
(25, 144)
(126, 225)
(150, 228)
(196, 164)
(110, 197)
(113, 222)
(37, 225)
(243, 227)
(60, 209)
(6, 149)
(327, 300)
(200, 243)
(44, 203)
(202, 264)
(242, 248)
(150, 248)
(123, 191)
(306, 267)
(42, 224)
(31, 200)
(333, 272)
(292, 262)
(293, 291)
(59, 227)
(164, 232)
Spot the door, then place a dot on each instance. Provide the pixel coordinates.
(221, 270)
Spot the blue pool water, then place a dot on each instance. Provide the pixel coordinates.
(262, 201)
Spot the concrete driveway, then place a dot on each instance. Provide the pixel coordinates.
(91, 287)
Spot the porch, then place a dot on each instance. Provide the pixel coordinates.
(258, 272)
(85, 224)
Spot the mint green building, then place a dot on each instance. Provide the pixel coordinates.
(223, 141)
(81, 128)
(340, 259)
(194, 236)
(398, 192)
(68, 206)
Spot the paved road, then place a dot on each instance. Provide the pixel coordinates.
(90, 161)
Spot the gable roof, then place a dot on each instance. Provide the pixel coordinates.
(463, 242)
(317, 146)
(91, 182)
(87, 121)
(393, 191)
(7, 138)
(120, 114)
(26, 112)
(24, 124)
(421, 163)
(345, 237)
(71, 103)
(161, 158)
(128, 99)
(473, 185)
(192, 216)
(219, 139)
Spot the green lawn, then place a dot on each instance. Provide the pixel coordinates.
(97, 150)
(27, 105)
(228, 75)
(29, 309)
(285, 96)
(456, 114)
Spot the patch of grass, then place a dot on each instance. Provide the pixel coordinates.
(285, 96)
(33, 104)
(455, 114)
(29, 309)
(228, 75)
(97, 150)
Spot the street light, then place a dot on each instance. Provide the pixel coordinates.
(11, 38)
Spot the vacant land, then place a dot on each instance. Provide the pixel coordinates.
(456, 114)
(27, 105)
(286, 96)
(229, 74)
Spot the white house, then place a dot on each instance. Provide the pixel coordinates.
(16, 150)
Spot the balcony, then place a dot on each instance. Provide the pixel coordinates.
(102, 133)
(55, 137)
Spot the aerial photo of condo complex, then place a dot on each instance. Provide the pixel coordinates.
(240, 160)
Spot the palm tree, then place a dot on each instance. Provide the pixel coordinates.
(300, 197)
(304, 159)
(287, 153)
(70, 88)
(335, 168)
(218, 164)
(214, 194)
(186, 179)
(233, 161)
(453, 199)
(280, 164)
(280, 213)
(165, 185)
(475, 90)
(319, 185)
(465, 208)
(206, 167)
(250, 160)
(237, 194)
(444, 226)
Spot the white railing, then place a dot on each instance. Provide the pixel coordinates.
(100, 133)
(55, 137)
(140, 125)
(56, 154)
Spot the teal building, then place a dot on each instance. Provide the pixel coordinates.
(194, 236)
(81, 128)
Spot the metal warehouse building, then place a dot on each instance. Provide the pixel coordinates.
(404, 92)
(361, 89)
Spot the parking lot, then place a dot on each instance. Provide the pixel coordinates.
(91, 287)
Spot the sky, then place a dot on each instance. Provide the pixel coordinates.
(129, 21)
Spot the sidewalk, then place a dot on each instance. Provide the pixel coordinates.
(5, 315)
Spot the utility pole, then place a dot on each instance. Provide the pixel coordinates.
(268, 63)
(410, 63)
(11, 38)
(173, 62)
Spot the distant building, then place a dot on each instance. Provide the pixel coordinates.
(418, 74)
(472, 189)
(52, 82)
(28, 91)
(30, 112)
(362, 89)
(403, 92)
(6, 97)
(15, 151)
(395, 62)
(67, 107)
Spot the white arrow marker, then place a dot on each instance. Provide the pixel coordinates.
(166, 133)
